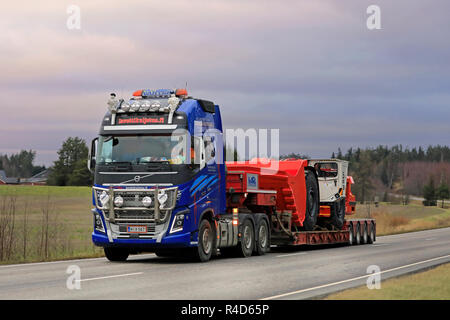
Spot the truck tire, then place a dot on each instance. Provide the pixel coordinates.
(351, 236)
(206, 236)
(338, 215)
(312, 201)
(263, 243)
(116, 254)
(358, 234)
(365, 236)
(371, 238)
(247, 241)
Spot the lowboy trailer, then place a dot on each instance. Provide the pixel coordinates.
(161, 185)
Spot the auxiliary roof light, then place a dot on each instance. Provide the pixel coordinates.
(135, 106)
(145, 105)
(181, 93)
(155, 106)
(125, 106)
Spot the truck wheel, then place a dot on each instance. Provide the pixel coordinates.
(247, 242)
(351, 236)
(116, 254)
(358, 234)
(312, 201)
(263, 244)
(206, 236)
(371, 238)
(365, 234)
(338, 215)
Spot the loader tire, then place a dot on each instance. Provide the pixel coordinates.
(338, 215)
(312, 201)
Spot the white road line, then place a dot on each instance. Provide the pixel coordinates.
(45, 263)
(65, 261)
(429, 239)
(108, 277)
(291, 254)
(353, 279)
(379, 245)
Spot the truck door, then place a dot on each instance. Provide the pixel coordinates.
(328, 180)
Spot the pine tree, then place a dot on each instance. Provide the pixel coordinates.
(429, 193)
(443, 193)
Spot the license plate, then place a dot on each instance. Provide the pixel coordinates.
(137, 229)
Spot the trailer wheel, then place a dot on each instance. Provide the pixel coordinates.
(312, 201)
(263, 243)
(338, 215)
(351, 236)
(371, 238)
(116, 254)
(206, 236)
(247, 242)
(358, 234)
(365, 237)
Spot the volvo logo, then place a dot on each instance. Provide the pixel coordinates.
(137, 179)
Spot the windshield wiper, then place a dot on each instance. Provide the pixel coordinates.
(154, 161)
(118, 162)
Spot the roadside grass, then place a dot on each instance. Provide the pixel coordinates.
(433, 284)
(44, 223)
(397, 218)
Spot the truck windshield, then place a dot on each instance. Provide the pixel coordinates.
(140, 149)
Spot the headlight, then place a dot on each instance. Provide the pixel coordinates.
(104, 199)
(147, 201)
(98, 223)
(177, 224)
(118, 201)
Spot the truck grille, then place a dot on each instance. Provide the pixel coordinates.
(133, 209)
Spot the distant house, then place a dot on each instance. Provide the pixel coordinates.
(7, 180)
(38, 179)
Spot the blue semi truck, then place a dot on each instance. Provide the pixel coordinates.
(160, 185)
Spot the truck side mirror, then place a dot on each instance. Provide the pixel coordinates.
(92, 154)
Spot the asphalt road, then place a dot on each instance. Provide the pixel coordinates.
(302, 273)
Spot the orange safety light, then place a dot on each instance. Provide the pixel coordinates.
(137, 93)
(235, 217)
(181, 93)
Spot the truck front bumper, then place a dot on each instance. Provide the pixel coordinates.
(178, 240)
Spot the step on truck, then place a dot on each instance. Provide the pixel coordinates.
(161, 185)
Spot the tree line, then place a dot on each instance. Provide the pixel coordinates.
(20, 164)
(70, 169)
(383, 170)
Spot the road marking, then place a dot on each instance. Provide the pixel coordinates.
(291, 254)
(45, 263)
(108, 277)
(429, 239)
(65, 261)
(380, 245)
(353, 279)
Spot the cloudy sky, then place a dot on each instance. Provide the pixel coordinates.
(310, 68)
